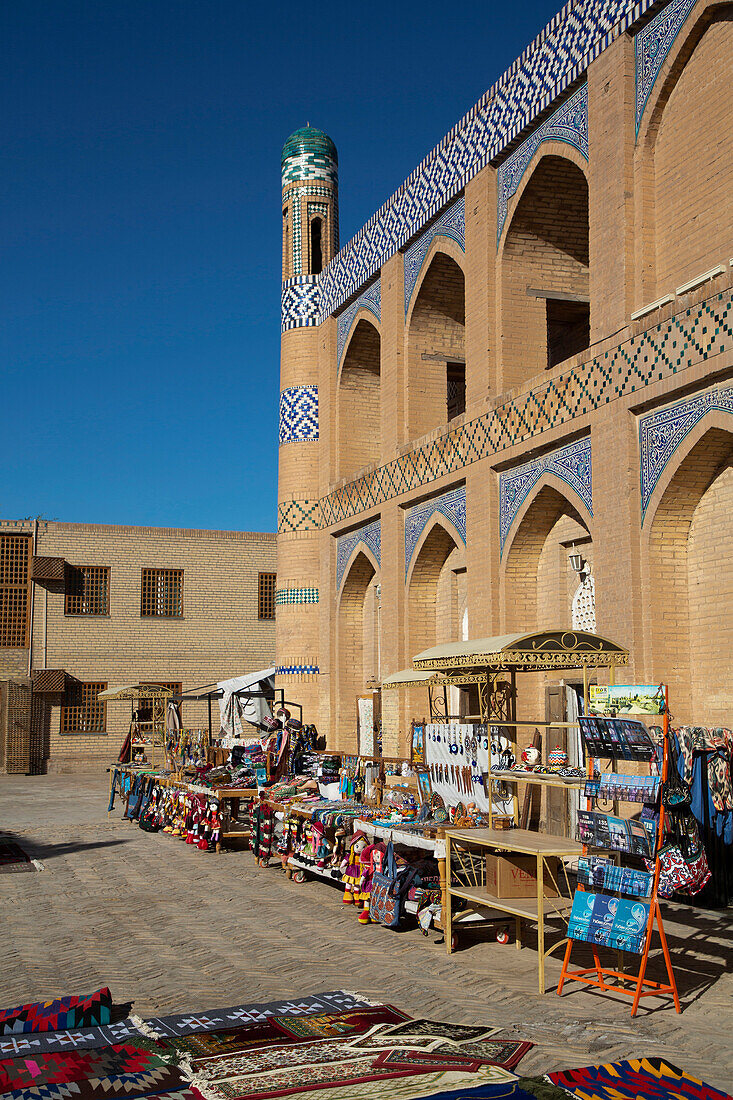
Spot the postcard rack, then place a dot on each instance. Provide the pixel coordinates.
(610, 919)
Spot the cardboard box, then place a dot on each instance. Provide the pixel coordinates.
(515, 876)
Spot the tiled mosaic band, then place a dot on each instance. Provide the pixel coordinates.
(296, 595)
(452, 505)
(297, 670)
(661, 432)
(371, 299)
(295, 196)
(451, 224)
(309, 154)
(299, 303)
(369, 536)
(299, 415)
(569, 124)
(298, 515)
(651, 46)
(555, 60)
(572, 464)
(690, 337)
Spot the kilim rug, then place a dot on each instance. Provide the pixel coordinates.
(648, 1077)
(151, 1082)
(85, 1011)
(284, 1030)
(73, 1065)
(13, 858)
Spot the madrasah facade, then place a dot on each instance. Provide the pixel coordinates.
(507, 403)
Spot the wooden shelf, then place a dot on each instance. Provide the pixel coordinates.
(539, 780)
(519, 840)
(518, 907)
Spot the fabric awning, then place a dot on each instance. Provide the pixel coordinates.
(235, 706)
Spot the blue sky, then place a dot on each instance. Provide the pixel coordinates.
(140, 225)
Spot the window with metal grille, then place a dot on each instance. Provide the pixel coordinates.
(87, 590)
(82, 711)
(266, 596)
(161, 593)
(14, 590)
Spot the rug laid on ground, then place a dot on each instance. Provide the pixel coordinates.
(68, 1012)
(648, 1077)
(75, 1065)
(13, 858)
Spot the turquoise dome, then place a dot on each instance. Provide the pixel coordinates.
(309, 140)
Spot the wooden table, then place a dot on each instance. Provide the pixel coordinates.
(517, 841)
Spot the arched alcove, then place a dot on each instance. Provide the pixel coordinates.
(357, 655)
(437, 354)
(359, 401)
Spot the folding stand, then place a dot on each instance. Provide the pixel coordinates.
(633, 985)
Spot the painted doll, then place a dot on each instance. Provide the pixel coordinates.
(352, 869)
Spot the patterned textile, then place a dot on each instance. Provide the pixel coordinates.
(13, 858)
(223, 1019)
(718, 744)
(42, 1069)
(148, 1083)
(56, 1015)
(647, 1077)
(285, 1030)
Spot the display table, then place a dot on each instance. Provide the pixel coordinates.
(465, 846)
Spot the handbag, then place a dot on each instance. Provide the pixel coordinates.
(389, 889)
(680, 875)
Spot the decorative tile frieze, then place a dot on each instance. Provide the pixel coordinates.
(299, 415)
(371, 299)
(369, 536)
(294, 195)
(297, 670)
(452, 224)
(692, 336)
(452, 505)
(296, 596)
(569, 124)
(651, 46)
(571, 463)
(661, 432)
(298, 515)
(553, 62)
(299, 303)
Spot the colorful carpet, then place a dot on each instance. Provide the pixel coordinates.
(68, 1012)
(13, 858)
(284, 1030)
(151, 1082)
(62, 1067)
(648, 1077)
(222, 1019)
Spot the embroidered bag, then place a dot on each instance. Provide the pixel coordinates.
(680, 875)
(389, 888)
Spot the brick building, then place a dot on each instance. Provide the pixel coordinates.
(84, 607)
(526, 353)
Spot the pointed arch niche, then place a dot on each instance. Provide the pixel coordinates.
(357, 656)
(359, 401)
(690, 561)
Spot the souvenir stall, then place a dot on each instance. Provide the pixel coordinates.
(145, 743)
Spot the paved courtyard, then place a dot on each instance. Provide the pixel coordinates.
(172, 929)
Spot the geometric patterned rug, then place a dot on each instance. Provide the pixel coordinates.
(13, 858)
(634, 1077)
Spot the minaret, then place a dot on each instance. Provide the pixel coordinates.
(310, 240)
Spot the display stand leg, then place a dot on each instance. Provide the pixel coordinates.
(541, 921)
(667, 958)
(564, 970)
(518, 933)
(447, 916)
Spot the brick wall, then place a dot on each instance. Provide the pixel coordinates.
(436, 336)
(359, 402)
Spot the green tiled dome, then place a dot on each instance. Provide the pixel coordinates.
(309, 140)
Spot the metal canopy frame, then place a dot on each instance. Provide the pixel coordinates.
(154, 693)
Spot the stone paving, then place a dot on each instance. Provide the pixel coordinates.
(173, 929)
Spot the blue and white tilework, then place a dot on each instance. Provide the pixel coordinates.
(371, 299)
(571, 463)
(370, 536)
(452, 505)
(297, 670)
(299, 415)
(294, 196)
(569, 123)
(451, 223)
(554, 61)
(296, 595)
(299, 303)
(661, 432)
(651, 46)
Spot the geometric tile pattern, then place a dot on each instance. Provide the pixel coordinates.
(554, 61)
(309, 154)
(691, 336)
(661, 432)
(299, 302)
(371, 299)
(370, 536)
(571, 463)
(451, 223)
(298, 515)
(296, 595)
(651, 46)
(569, 123)
(452, 505)
(299, 414)
(297, 670)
